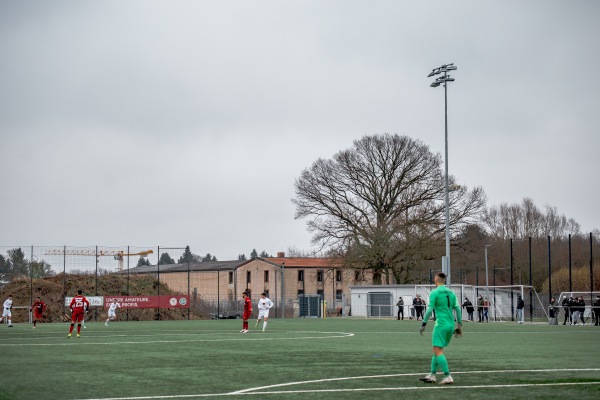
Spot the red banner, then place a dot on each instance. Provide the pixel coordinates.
(171, 301)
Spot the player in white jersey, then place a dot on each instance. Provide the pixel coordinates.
(6, 314)
(264, 305)
(112, 311)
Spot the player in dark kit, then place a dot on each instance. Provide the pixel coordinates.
(247, 312)
(78, 306)
(38, 308)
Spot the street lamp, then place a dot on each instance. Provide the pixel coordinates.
(444, 79)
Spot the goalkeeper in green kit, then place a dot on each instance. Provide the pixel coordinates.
(443, 301)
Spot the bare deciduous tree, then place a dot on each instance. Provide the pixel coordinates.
(381, 204)
(520, 221)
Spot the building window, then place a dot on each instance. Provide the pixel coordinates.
(300, 292)
(248, 277)
(376, 278)
(266, 276)
(321, 293)
(319, 276)
(338, 295)
(338, 275)
(301, 275)
(267, 292)
(358, 276)
(231, 277)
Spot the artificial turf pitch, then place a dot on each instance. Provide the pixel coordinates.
(334, 358)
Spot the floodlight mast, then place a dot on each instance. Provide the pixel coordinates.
(444, 79)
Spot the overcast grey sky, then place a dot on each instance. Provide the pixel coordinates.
(169, 123)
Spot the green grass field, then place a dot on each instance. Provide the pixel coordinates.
(333, 358)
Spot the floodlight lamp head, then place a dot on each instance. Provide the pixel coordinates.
(435, 84)
(451, 67)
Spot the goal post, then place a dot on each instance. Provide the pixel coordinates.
(501, 300)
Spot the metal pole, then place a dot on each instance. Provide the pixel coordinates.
(188, 265)
(31, 277)
(530, 284)
(96, 308)
(448, 272)
(64, 275)
(127, 309)
(549, 270)
(282, 290)
(591, 269)
(487, 286)
(570, 278)
(512, 306)
(158, 278)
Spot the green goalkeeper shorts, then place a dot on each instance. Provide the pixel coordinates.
(441, 336)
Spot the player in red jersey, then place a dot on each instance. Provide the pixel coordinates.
(247, 312)
(78, 306)
(38, 308)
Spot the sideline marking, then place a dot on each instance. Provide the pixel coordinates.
(252, 391)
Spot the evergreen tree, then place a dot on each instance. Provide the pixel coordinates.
(187, 256)
(253, 254)
(165, 258)
(242, 257)
(142, 261)
(264, 254)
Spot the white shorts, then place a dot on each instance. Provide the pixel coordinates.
(6, 313)
(263, 313)
(112, 314)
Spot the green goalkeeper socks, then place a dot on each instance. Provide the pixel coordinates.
(434, 365)
(441, 361)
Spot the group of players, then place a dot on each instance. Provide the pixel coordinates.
(79, 306)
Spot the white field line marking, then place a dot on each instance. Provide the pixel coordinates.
(411, 374)
(247, 338)
(420, 387)
(429, 387)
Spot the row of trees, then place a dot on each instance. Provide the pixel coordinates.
(381, 205)
(189, 257)
(15, 265)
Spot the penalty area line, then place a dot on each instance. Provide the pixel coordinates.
(409, 374)
(388, 389)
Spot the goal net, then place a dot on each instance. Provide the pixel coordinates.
(501, 301)
(568, 310)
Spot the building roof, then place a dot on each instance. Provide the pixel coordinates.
(195, 266)
(304, 262)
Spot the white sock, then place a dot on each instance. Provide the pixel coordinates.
(10, 322)
(264, 325)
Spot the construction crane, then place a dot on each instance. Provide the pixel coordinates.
(117, 254)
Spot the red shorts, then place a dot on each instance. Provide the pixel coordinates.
(77, 317)
(246, 316)
(37, 316)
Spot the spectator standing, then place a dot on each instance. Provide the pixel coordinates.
(596, 311)
(552, 312)
(567, 308)
(480, 308)
(469, 307)
(520, 307)
(400, 305)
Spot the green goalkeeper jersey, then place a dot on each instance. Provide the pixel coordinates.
(443, 301)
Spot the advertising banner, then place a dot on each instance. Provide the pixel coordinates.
(168, 301)
(95, 301)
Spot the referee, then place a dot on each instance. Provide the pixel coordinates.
(443, 301)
